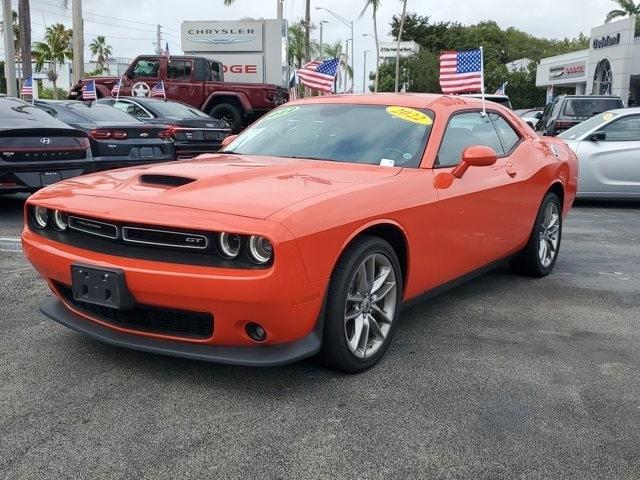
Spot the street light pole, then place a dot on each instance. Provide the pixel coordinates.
(349, 24)
(364, 73)
(9, 49)
(321, 44)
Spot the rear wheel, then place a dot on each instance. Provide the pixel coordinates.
(230, 114)
(539, 256)
(363, 302)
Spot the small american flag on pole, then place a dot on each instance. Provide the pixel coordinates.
(27, 87)
(319, 75)
(89, 91)
(115, 91)
(461, 72)
(158, 90)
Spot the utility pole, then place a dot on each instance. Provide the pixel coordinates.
(307, 30)
(404, 12)
(159, 40)
(24, 17)
(280, 9)
(9, 49)
(78, 40)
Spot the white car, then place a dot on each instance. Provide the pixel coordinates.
(530, 115)
(608, 151)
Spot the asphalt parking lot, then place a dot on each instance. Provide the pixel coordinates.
(502, 378)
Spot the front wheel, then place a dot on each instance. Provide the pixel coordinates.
(539, 256)
(363, 303)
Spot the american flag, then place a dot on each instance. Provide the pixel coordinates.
(27, 87)
(158, 90)
(502, 89)
(461, 71)
(89, 91)
(319, 75)
(115, 91)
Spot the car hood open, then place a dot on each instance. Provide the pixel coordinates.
(249, 186)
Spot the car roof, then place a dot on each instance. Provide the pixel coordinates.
(625, 111)
(15, 113)
(411, 100)
(615, 97)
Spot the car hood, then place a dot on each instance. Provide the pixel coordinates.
(249, 186)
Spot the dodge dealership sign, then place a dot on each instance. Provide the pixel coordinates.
(251, 51)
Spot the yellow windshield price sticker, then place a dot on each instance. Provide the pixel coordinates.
(280, 112)
(607, 116)
(410, 115)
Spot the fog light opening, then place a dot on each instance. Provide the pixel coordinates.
(256, 332)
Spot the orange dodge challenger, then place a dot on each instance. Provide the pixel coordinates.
(307, 234)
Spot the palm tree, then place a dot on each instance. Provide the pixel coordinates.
(296, 45)
(374, 4)
(404, 13)
(627, 9)
(55, 50)
(24, 15)
(100, 48)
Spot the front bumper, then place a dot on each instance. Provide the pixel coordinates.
(280, 298)
(262, 355)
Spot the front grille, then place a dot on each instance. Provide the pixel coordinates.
(146, 318)
(93, 227)
(169, 180)
(164, 238)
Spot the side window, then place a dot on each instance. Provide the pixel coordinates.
(507, 134)
(625, 129)
(216, 71)
(145, 68)
(132, 109)
(179, 70)
(465, 130)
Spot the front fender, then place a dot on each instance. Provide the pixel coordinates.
(240, 96)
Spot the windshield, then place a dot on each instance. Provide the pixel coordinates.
(174, 109)
(367, 134)
(586, 126)
(588, 107)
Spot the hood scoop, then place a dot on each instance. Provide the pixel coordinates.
(165, 180)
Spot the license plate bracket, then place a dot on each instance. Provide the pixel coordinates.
(49, 178)
(101, 286)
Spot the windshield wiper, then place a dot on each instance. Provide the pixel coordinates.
(312, 158)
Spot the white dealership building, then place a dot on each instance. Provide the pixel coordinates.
(610, 66)
(252, 51)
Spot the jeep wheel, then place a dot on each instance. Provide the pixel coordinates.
(230, 114)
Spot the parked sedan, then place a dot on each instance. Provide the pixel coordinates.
(194, 132)
(307, 234)
(117, 140)
(530, 116)
(37, 150)
(608, 149)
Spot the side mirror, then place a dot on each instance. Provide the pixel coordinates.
(598, 136)
(475, 156)
(227, 140)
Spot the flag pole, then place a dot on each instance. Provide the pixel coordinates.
(119, 87)
(484, 110)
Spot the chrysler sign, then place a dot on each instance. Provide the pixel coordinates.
(608, 41)
(222, 36)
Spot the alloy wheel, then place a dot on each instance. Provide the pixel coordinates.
(549, 236)
(370, 306)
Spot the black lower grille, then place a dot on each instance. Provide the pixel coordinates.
(146, 318)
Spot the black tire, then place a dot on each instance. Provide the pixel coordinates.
(229, 113)
(335, 352)
(528, 261)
